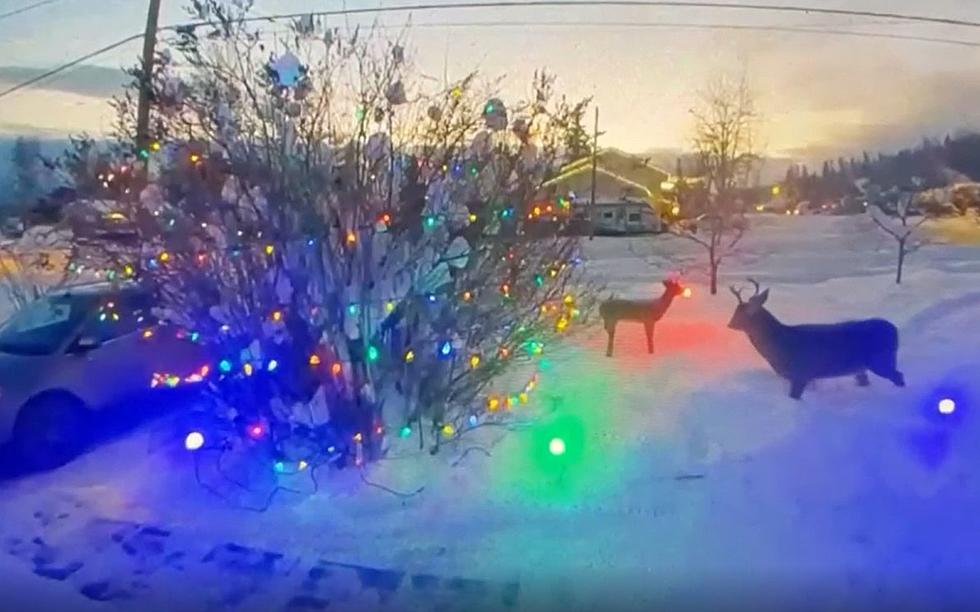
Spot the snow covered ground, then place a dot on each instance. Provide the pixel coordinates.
(690, 477)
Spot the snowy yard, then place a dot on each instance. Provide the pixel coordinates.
(690, 476)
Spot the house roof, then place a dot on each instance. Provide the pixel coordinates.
(619, 164)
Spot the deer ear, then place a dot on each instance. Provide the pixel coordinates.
(763, 297)
(666, 283)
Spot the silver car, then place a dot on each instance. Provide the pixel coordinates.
(78, 350)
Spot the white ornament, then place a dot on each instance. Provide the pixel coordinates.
(458, 253)
(481, 144)
(376, 147)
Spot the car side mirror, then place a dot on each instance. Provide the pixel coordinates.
(85, 344)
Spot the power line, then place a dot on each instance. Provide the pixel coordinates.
(607, 3)
(24, 9)
(50, 73)
(694, 25)
(584, 3)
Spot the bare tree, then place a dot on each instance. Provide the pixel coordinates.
(902, 227)
(343, 235)
(724, 128)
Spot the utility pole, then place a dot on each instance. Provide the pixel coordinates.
(149, 47)
(595, 154)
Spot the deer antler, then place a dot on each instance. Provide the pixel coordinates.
(737, 293)
(756, 286)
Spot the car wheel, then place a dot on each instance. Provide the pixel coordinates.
(50, 431)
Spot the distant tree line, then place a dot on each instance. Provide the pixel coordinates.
(930, 165)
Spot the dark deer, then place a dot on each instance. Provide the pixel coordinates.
(803, 353)
(647, 312)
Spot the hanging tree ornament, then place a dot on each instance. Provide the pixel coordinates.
(458, 253)
(379, 115)
(396, 94)
(495, 114)
(376, 147)
(434, 112)
(286, 69)
(398, 54)
(172, 95)
(302, 89)
(521, 128)
(481, 145)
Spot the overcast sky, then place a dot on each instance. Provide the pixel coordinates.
(820, 94)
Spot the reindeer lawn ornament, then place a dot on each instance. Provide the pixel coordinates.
(803, 353)
(647, 312)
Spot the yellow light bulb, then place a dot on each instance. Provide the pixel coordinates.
(474, 361)
(409, 356)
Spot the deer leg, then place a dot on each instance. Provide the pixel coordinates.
(796, 388)
(887, 368)
(611, 331)
(862, 379)
(649, 330)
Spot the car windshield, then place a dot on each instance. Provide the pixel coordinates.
(43, 325)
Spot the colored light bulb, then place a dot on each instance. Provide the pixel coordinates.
(947, 406)
(194, 441)
(556, 447)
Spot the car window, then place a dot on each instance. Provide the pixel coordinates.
(119, 315)
(44, 325)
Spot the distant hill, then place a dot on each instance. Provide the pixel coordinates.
(771, 170)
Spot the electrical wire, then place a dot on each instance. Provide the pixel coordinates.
(606, 3)
(24, 9)
(572, 3)
(50, 73)
(692, 25)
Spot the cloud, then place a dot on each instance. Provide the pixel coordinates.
(85, 80)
